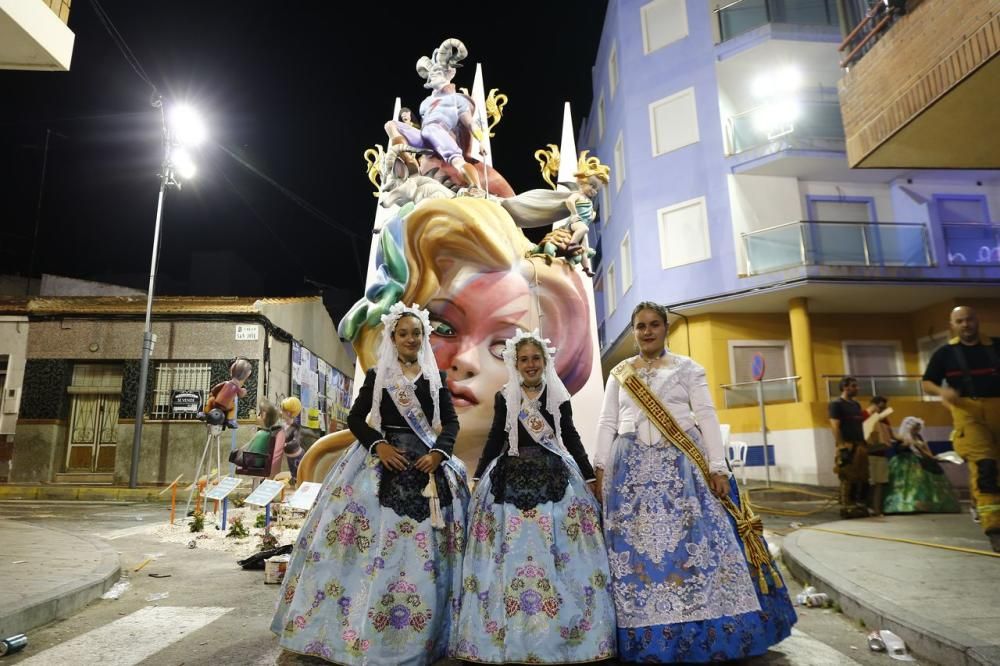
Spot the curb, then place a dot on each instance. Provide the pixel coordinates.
(83, 493)
(923, 635)
(65, 599)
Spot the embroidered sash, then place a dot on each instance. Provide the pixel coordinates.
(540, 430)
(748, 526)
(404, 397)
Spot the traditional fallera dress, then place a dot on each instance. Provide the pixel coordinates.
(536, 570)
(375, 576)
(917, 484)
(691, 576)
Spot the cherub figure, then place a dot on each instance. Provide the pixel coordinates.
(224, 394)
(590, 176)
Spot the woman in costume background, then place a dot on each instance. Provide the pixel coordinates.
(376, 573)
(686, 586)
(464, 260)
(535, 573)
(917, 484)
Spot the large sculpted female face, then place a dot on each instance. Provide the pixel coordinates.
(465, 264)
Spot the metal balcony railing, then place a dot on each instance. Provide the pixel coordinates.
(836, 244)
(809, 125)
(744, 394)
(736, 18)
(972, 244)
(888, 386)
(881, 15)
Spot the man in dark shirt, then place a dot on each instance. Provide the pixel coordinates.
(966, 374)
(851, 455)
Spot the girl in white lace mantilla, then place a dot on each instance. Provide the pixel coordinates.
(682, 586)
(535, 570)
(375, 576)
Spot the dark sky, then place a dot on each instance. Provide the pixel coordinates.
(299, 90)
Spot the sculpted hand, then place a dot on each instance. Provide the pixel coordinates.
(390, 456)
(429, 463)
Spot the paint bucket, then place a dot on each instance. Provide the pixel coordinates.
(13, 644)
(274, 569)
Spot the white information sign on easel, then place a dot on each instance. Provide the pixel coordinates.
(226, 485)
(265, 493)
(305, 496)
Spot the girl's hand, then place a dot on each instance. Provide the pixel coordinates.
(390, 456)
(429, 462)
(719, 483)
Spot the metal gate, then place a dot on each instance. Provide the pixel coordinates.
(93, 423)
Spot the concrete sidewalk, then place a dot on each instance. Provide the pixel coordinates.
(942, 603)
(48, 573)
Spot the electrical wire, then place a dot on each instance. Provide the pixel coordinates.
(119, 41)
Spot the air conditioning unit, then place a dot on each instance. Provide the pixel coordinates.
(11, 401)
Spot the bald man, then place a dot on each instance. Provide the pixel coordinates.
(966, 374)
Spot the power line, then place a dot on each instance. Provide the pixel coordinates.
(119, 41)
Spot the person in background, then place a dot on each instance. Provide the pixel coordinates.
(851, 455)
(917, 483)
(965, 373)
(879, 444)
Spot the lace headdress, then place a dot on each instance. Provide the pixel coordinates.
(556, 393)
(388, 369)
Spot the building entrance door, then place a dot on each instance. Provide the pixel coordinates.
(93, 425)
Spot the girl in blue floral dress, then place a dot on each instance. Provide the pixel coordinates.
(375, 576)
(536, 571)
(691, 576)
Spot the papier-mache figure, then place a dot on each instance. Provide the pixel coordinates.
(291, 407)
(447, 116)
(224, 394)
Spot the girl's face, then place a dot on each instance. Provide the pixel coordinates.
(407, 337)
(530, 363)
(649, 332)
(472, 315)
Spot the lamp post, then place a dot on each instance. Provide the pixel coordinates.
(182, 128)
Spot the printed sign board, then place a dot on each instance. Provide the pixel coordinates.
(265, 493)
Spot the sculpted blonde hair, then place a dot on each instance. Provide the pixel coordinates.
(442, 235)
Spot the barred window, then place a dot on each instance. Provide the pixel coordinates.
(175, 389)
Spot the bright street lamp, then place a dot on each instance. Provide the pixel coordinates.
(184, 129)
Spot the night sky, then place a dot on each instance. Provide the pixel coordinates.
(295, 88)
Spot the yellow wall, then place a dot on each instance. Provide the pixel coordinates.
(710, 335)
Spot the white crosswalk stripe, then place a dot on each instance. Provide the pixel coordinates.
(131, 639)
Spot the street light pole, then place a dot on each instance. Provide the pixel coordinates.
(172, 165)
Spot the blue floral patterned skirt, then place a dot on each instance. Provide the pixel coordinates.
(535, 571)
(682, 586)
(370, 583)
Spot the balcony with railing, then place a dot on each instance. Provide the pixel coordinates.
(888, 386)
(796, 124)
(836, 244)
(972, 244)
(744, 394)
(742, 16)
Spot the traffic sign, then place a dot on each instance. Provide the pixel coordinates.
(757, 366)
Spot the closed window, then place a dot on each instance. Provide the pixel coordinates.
(619, 161)
(684, 233)
(610, 289)
(174, 382)
(600, 117)
(626, 262)
(776, 353)
(841, 210)
(663, 22)
(613, 70)
(872, 358)
(605, 211)
(673, 122)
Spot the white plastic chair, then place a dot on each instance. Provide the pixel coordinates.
(736, 454)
